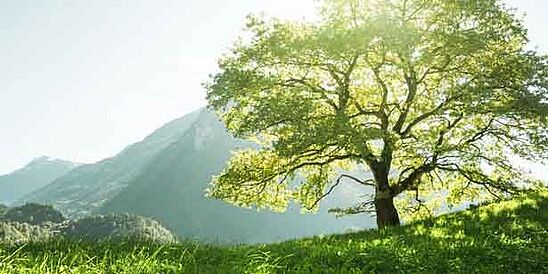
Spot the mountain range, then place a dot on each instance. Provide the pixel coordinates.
(165, 177)
(38, 173)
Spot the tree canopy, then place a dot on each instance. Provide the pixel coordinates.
(429, 95)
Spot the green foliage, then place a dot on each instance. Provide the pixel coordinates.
(16, 233)
(504, 237)
(3, 210)
(34, 214)
(430, 96)
(38, 223)
(171, 188)
(117, 228)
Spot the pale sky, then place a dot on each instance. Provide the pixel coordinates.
(80, 79)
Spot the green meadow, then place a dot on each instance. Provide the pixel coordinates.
(505, 237)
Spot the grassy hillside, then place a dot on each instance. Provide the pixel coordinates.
(506, 237)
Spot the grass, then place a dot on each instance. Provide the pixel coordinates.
(505, 237)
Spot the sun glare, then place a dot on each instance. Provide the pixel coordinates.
(291, 10)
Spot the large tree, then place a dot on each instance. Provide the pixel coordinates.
(426, 94)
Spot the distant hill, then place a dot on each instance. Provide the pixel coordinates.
(86, 188)
(165, 177)
(33, 214)
(33, 223)
(38, 173)
(117, 228)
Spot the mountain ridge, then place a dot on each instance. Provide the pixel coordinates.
(93, 183)
(34, 175)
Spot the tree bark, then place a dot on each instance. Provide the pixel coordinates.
(387, 214)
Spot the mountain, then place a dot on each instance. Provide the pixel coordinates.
(165, 177)
(38, 173)
(83, 190)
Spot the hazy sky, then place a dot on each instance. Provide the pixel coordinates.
(80, 80)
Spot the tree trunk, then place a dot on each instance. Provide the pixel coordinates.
(387, 214)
